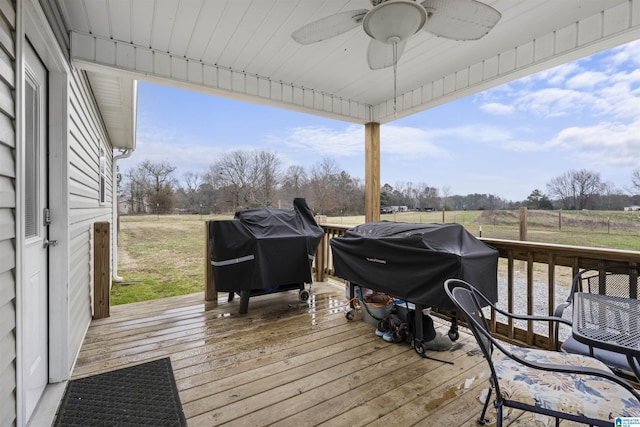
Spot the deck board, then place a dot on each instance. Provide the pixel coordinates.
(287, 363)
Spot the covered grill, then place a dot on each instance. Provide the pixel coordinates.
(264, 250)
(412, 261)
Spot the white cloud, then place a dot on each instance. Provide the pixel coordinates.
(554, 102)
(586, 80)
(497, 108)
(177, 147)
(555, 76)
(605, 144)
(185, 157)
(629, 52)
(577, 88)
(619, 101)
(494, 136)
(322, 140)
(347, 142)
(409, 141)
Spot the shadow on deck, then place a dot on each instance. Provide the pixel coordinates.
(291, 363)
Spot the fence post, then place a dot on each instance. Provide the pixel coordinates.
(210, 291)
(560, 220)
(101, 272)
(523, 224)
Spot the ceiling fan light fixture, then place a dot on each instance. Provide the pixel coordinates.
(394, 21)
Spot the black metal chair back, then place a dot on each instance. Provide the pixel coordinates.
(525, 371)
(613, 281)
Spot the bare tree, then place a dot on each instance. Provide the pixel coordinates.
(161, 184)
(234, 177)
(191, 187)
(635, 181)
(575, 188)
(561, 187)
(323, 184)
(249, 178)
(212, 176)
(191, 181)
(446, 193)
(150, 187)
(265, 177)
(136, 187)
(427, 197)
(294, 184)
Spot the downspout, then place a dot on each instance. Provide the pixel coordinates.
(114, 215)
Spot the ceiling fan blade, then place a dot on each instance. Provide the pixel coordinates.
(460, 19)
(329, 26)
(380, 55)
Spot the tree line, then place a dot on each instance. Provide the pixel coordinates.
(245, 179)
(239, 180)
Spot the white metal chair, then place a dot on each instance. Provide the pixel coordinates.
(561, 385)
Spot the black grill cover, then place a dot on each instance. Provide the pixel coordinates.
(412, 261)
(264, 248)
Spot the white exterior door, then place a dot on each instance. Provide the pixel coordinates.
(35, 335)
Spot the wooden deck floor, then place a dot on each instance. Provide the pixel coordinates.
(288, 363)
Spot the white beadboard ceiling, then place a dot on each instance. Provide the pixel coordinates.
(243, 49)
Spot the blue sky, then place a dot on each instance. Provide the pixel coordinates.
(507, 141)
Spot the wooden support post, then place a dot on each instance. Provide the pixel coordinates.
(210, 292)
(320, 273)
(101, 271)
(372, 172)
(321, 258)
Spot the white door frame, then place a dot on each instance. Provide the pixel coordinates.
(31, 23)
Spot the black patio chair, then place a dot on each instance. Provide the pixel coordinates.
(612, 281)
(561, 385)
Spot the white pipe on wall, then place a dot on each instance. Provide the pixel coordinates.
(114, 215)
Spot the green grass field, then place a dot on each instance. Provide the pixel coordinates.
(164, 256)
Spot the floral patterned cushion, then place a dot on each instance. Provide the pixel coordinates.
(580, 395)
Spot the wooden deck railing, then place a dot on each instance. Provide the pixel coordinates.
(542, 269)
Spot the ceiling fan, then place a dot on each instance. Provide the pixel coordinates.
(390, 23)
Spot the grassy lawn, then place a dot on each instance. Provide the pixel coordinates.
(159, 258)
(164, 256)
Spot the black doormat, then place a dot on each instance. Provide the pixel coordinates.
(142, 395)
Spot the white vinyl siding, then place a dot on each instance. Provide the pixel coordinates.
(7, 218)
(86, 136)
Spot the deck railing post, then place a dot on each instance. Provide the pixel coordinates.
(321, 259)
(320, 273)
(101, 272)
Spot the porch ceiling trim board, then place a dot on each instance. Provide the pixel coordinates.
(611, 27)
(113, 57)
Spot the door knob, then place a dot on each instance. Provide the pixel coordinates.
(48, 243)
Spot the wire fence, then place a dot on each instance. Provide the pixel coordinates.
(598, 229)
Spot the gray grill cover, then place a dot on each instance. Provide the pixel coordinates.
(412, 261)
(264, 248)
